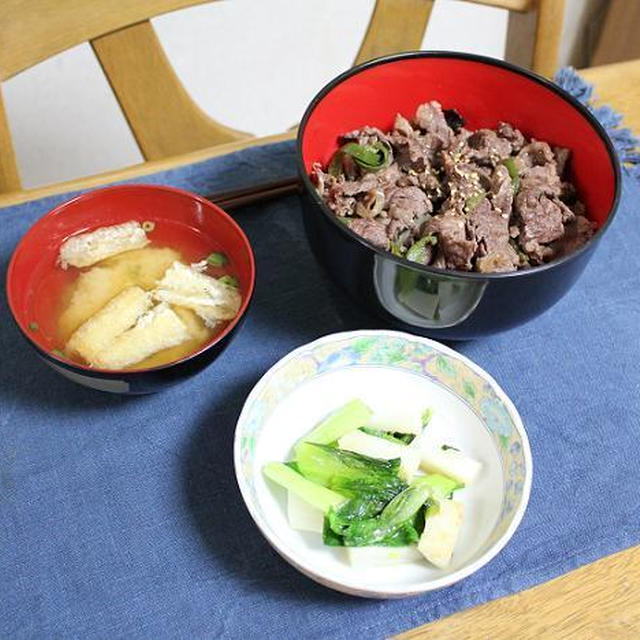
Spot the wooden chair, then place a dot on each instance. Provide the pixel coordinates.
(167, 125)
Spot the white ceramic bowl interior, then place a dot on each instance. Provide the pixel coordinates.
(384, 368)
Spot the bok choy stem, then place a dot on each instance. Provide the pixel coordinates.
(317, 496)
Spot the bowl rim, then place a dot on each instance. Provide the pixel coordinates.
(93, 193)
(471, 57)
(350, 586)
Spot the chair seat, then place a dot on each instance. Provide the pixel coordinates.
(618, 85)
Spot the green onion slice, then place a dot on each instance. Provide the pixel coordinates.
(370, 157)
(473, 201)
(510, 164)
(417, 252)
(395, 249)
(229, 281)
(217, 259)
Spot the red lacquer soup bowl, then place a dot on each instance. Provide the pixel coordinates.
(181, 220)
(427, 300)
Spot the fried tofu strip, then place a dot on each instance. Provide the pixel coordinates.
(187, 287)
(159, 328)
(85, 249)
(119, 314)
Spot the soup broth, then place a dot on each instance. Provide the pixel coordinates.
(81, 293)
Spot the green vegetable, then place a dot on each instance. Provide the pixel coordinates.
(437, 485)
(57, 352)
(395, 437)
(368, 499)
(395, 249)
(473, 201)
(33, 326)
(404, 512)
(426, 417)
(417, 252)
(330, 537)
(217, 259)
(387, 435)
(292, 464)
(444, 447)
(364, 507)
(363, 499)
(395, 516)
(419, 518)
(229, 281)
(370, 157)
(405, 535)
(510, 164)
(317, 496)
(343, 420)
(327, 465)
(383, 488)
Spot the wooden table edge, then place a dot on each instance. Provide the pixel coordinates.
(600, 600)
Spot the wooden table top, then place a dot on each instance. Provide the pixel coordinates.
(598, 601)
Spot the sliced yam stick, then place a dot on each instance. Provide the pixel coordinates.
(449, 462)
(159, 328)
(303, 516)
(101, 329)
(371, 557)
(185, 286)
(85, 249)
(397, 420)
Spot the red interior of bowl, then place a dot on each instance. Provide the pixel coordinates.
(182, 220)
(484, 94)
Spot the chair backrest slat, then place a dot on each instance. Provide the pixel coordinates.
(34, 30)
(548, 34)
(395, 26)
(9, 179)
(163, 118)
(510, 5)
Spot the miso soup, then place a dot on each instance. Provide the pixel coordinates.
(79, 296)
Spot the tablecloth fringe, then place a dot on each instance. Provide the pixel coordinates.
(626, 143)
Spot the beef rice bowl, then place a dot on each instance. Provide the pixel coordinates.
(438, 194)
(473, 211)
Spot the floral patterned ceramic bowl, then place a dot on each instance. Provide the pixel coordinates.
(382, 368)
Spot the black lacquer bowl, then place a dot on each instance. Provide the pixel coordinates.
(33, 276)
(425, 300)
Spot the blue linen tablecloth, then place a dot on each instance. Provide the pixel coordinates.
(121, 518)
